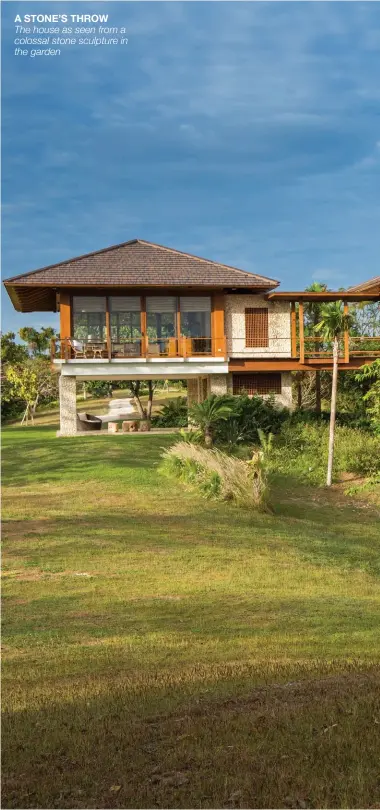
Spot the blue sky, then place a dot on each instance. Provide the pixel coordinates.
(244, 132)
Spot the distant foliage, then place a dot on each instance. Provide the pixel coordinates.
(218, 475)
(38, 340)
(99, 388)
(172, 414)
(12, 352)
(370, 374)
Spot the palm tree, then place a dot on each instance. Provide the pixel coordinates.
(314, 310)
(208, 413)
(331, 327)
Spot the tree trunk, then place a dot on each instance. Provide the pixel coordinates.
(333, 411)
(34, 407)
(150, 400)
(135, 389)
(318, 398)
(84, 391)
(208, 436)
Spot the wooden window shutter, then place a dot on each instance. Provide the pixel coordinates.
(261, 383)
(256, 328)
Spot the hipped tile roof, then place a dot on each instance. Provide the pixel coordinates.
(140, 263)
(372, 285)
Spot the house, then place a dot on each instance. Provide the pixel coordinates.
(138, 310)
(370, 286)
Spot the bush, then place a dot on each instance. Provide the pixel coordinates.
(218, 475)
(301, 449)
(353, 420)
(248, 417)
(172, 414)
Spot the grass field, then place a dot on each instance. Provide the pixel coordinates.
(161, 650)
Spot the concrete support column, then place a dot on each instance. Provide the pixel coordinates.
(219, 384)
(67, 406)
(192, 395)
(286, 398)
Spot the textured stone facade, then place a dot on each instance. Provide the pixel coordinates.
(278, 326)
(220, 384)
(192, 392)
(223, 384)
(67, 406)
(285, 398)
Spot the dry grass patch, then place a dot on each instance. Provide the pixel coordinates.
(217, 474)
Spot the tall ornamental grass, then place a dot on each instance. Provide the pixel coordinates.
(218, 475)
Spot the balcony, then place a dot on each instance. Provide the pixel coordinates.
(71, 349)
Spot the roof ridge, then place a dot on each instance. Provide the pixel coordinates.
(208, 261)
(245, 273)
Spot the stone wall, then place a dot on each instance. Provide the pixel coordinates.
(67, 406)
(278, 326)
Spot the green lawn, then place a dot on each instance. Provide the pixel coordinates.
(161, 650)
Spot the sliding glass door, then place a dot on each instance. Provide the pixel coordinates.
(89, 317)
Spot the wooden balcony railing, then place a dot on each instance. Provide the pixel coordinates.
(74, 349)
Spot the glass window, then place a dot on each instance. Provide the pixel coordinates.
(125, 317)
(196, 316)
(89, 317)
(161, 316)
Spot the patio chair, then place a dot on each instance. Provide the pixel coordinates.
(132, 349)
(87, 421)
(78, 348)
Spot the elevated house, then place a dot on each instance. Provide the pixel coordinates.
(143, 311)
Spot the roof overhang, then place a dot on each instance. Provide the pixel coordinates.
(37, 297)
(32, 298)
(338, 295)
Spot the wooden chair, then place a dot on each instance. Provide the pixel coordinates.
(78, 349)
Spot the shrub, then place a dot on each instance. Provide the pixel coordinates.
(301, 449)
(210, 414)
(218, 475)
(172, 414)
(249, 415)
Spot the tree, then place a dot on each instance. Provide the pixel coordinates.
(30, 382)
(313, 310)
(331, 327)
(208, 413)
(12, 352)
(135, 386)
(38, 341)
(371, 373)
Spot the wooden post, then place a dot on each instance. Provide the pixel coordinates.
(64, 322)
(178, 325)
(293, 328)
(144, 336)
(346, 336)
(108, 328)
(217, 325)
(301, 332)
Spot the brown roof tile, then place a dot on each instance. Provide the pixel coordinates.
(373, 284)
(140, 263)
